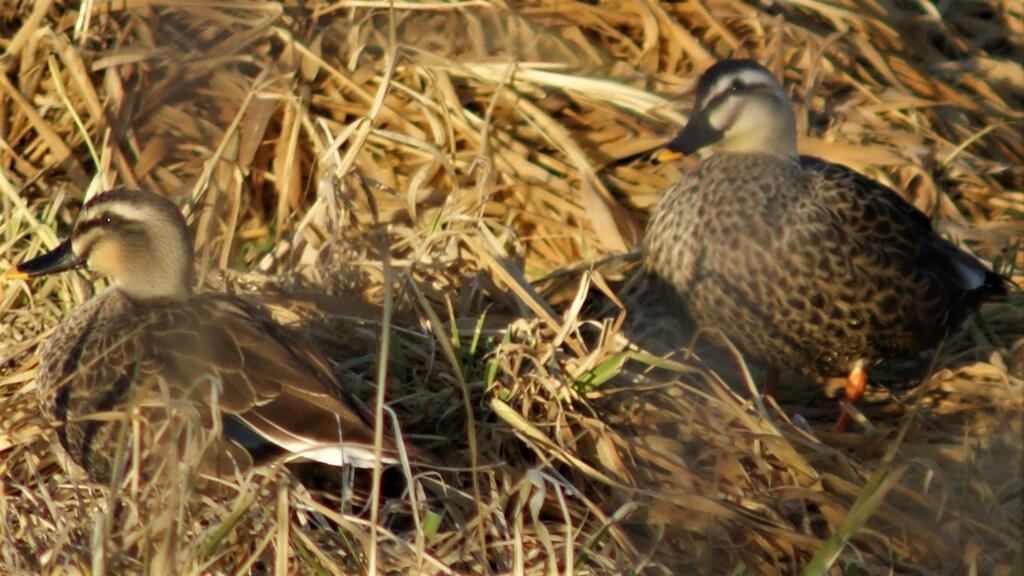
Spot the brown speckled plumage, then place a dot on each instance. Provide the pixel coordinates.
(149, 345)
(804, 265)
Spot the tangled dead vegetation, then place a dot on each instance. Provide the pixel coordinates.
(446, 196)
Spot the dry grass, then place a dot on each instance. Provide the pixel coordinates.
(455, 179)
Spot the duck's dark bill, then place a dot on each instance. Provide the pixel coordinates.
(697, 134)
(61, 258)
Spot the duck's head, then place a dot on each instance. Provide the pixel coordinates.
(138, 239)
(741, 107)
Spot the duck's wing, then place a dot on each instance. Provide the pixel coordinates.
(944, 280)
(267, 382)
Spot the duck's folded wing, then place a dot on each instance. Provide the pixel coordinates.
(940, 280)
(269, 380)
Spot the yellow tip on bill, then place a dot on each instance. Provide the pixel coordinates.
(666, 155)
(14, 274)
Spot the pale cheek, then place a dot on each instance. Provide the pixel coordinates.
(755, 117)
(721, 118)
(106, 259)
(760, 127)
(747, 124)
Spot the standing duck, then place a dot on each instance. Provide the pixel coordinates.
(804, 265)
(149, 345)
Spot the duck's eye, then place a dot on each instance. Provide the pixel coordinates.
(736, 86)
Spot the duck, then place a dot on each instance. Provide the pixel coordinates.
(804, 265)
(148, 344)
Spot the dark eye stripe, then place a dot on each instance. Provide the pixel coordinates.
(106, 223)
(736, 87)
(103, 220)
